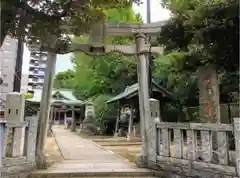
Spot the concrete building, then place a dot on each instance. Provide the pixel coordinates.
(24, 83)
(37, 66)
(8, 53)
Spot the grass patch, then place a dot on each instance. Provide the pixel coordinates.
(132, 157)
(129, 152)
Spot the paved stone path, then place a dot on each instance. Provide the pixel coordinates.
(84, 156)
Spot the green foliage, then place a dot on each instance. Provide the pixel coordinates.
(40, 19)
(208, 31)
(64, 79)
(31, 109)
(110, 73)
(199, 33)
(182, 84)
(229, 87)
(28, 95)
(103, 111)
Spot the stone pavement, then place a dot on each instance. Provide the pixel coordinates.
(86, 158)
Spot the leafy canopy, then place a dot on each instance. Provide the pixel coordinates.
(108, 74)
(64, 79)
(206, 30)
(38, 20)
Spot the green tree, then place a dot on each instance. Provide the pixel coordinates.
(182, 84)
(64, 79)
(206, 33)
(110, 73)
(28, 95)
(37, 19)
(206, 30)
(104, 113)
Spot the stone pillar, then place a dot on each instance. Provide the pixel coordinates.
(73, 126)
(59, 117)
(2, 136)
(237, 143)
(152, 132)
(14, 111)
(143, 93)
(117, 122)
(65, 121)
(55, 115)
(30, 139)
(130, 124)
(209, 106)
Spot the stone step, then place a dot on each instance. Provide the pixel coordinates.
(120, 144)
(101, 177)
(94, 173)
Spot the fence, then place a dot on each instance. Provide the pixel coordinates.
(195, 149)
(13, 159)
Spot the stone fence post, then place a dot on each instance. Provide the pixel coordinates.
(236, 125)
(30, 138)
(2, 136)
(152, 132)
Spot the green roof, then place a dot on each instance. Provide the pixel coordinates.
(67, 97)
(133, 90)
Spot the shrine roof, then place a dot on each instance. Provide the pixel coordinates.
(65, 96)
(132, 90)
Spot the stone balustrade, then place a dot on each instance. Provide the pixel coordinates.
(194, 149)
(18, 154)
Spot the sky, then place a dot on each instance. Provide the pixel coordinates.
(64, 62)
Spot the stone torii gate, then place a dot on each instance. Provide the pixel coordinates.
(97, 47)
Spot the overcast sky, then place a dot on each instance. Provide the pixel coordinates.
(63, 61)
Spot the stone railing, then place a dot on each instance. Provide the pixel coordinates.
(194, 149)
(17, 147)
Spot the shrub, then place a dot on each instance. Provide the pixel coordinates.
(105, 113)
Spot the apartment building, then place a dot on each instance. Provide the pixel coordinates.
(24, 82)
(8, 54)
(37, 66)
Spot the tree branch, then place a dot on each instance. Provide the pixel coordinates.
(57, 16)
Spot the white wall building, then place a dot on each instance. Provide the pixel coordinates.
(8, 53)
(37, 66)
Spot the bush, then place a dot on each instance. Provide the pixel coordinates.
(105, 113)
(28, 95)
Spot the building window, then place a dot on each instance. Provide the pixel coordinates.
(35, 79)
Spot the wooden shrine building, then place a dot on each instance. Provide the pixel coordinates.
(63, 105)
(129, 103)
